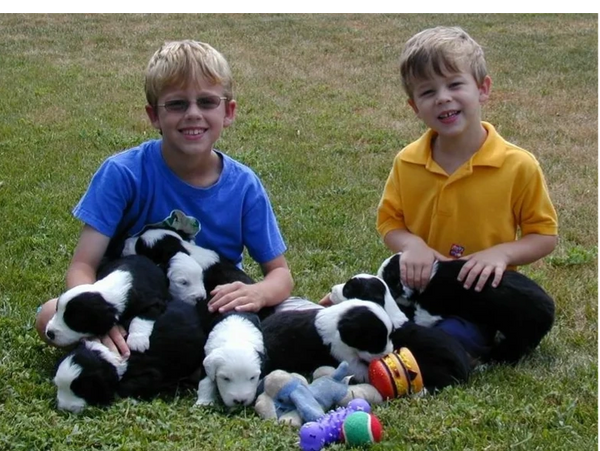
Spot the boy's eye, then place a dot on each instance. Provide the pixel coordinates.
(456, 84)
(177, 106)
(208, 103)
(427, 92)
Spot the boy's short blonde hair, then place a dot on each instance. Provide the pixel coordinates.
(181, 63)
(440, 51)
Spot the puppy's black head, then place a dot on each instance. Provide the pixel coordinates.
(88, 375)
(361, 328)
(97, 383)
(365, 288)
(389, 271)
(90, 313)
(161, 250)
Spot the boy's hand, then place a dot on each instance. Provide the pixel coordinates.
(115, 341)
(238, 296)
(480, 266)
(326, 301)
(416, 265)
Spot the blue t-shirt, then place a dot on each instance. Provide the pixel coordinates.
(136, 189)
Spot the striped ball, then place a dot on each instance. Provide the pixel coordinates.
(361, 428)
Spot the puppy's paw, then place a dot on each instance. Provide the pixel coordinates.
(138, 342)
(200, 402)
(206, 393)
(139, 334)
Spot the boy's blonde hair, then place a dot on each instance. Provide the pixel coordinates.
(181, 63)
(440, 51)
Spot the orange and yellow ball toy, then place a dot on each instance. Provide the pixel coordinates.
(396, 374)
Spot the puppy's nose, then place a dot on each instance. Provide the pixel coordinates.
(50, 334)
(239, 402)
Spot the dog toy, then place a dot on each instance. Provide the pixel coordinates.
(315, 435)
(361, 428)
(396, 374)
(288, 397)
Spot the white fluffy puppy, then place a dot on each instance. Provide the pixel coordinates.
(234, 359)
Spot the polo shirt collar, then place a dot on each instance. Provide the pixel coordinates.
(489, 154)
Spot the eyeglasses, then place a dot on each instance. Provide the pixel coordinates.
(181, 106)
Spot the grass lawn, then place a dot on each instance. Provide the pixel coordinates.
(321, 116)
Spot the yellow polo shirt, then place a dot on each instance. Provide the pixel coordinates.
(500, 190)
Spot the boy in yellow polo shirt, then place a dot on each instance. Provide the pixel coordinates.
(461, 190)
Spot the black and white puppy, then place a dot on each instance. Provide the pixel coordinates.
(131, 291)
(234, 362)
(369, 288)
(353, 331)
(518, 307)
(88, 375)
(441, 358)
(193, 271)
(93, 375)
(171, 252)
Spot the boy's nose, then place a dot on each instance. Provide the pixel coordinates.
(443, 96)
(193, 110)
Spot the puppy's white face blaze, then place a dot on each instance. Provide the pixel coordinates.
(237, 377)
(66, 374)
(186, 279)
(57, 330)
(337, 293)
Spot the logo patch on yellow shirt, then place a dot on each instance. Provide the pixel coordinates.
(456, 250)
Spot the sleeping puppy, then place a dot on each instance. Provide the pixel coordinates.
(235, 354)
(93, 375)
(131, 291)
(193, 271)
(169, 251)
(369, 288)
(88, 375)
(518, 308)
(353, 331)
(441, 358)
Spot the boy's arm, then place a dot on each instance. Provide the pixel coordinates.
(492, 262)
(87, 256)
(272, 290)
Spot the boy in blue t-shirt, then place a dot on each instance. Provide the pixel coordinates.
(182, 182)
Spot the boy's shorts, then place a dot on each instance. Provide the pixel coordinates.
(475, 338)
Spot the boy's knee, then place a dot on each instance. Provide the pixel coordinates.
(43, 316)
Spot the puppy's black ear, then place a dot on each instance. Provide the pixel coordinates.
(90, 313)
(362, 329)
(97, 386)
(368, 289)
(390, 273)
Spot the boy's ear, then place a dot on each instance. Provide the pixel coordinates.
(484, 89)
(153, 116)
(230, 108)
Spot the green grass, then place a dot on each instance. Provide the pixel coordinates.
(321, 116)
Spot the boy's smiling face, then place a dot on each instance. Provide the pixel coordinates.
(191, 133)
(450, 104)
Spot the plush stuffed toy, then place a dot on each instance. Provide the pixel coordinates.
(289, 398)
